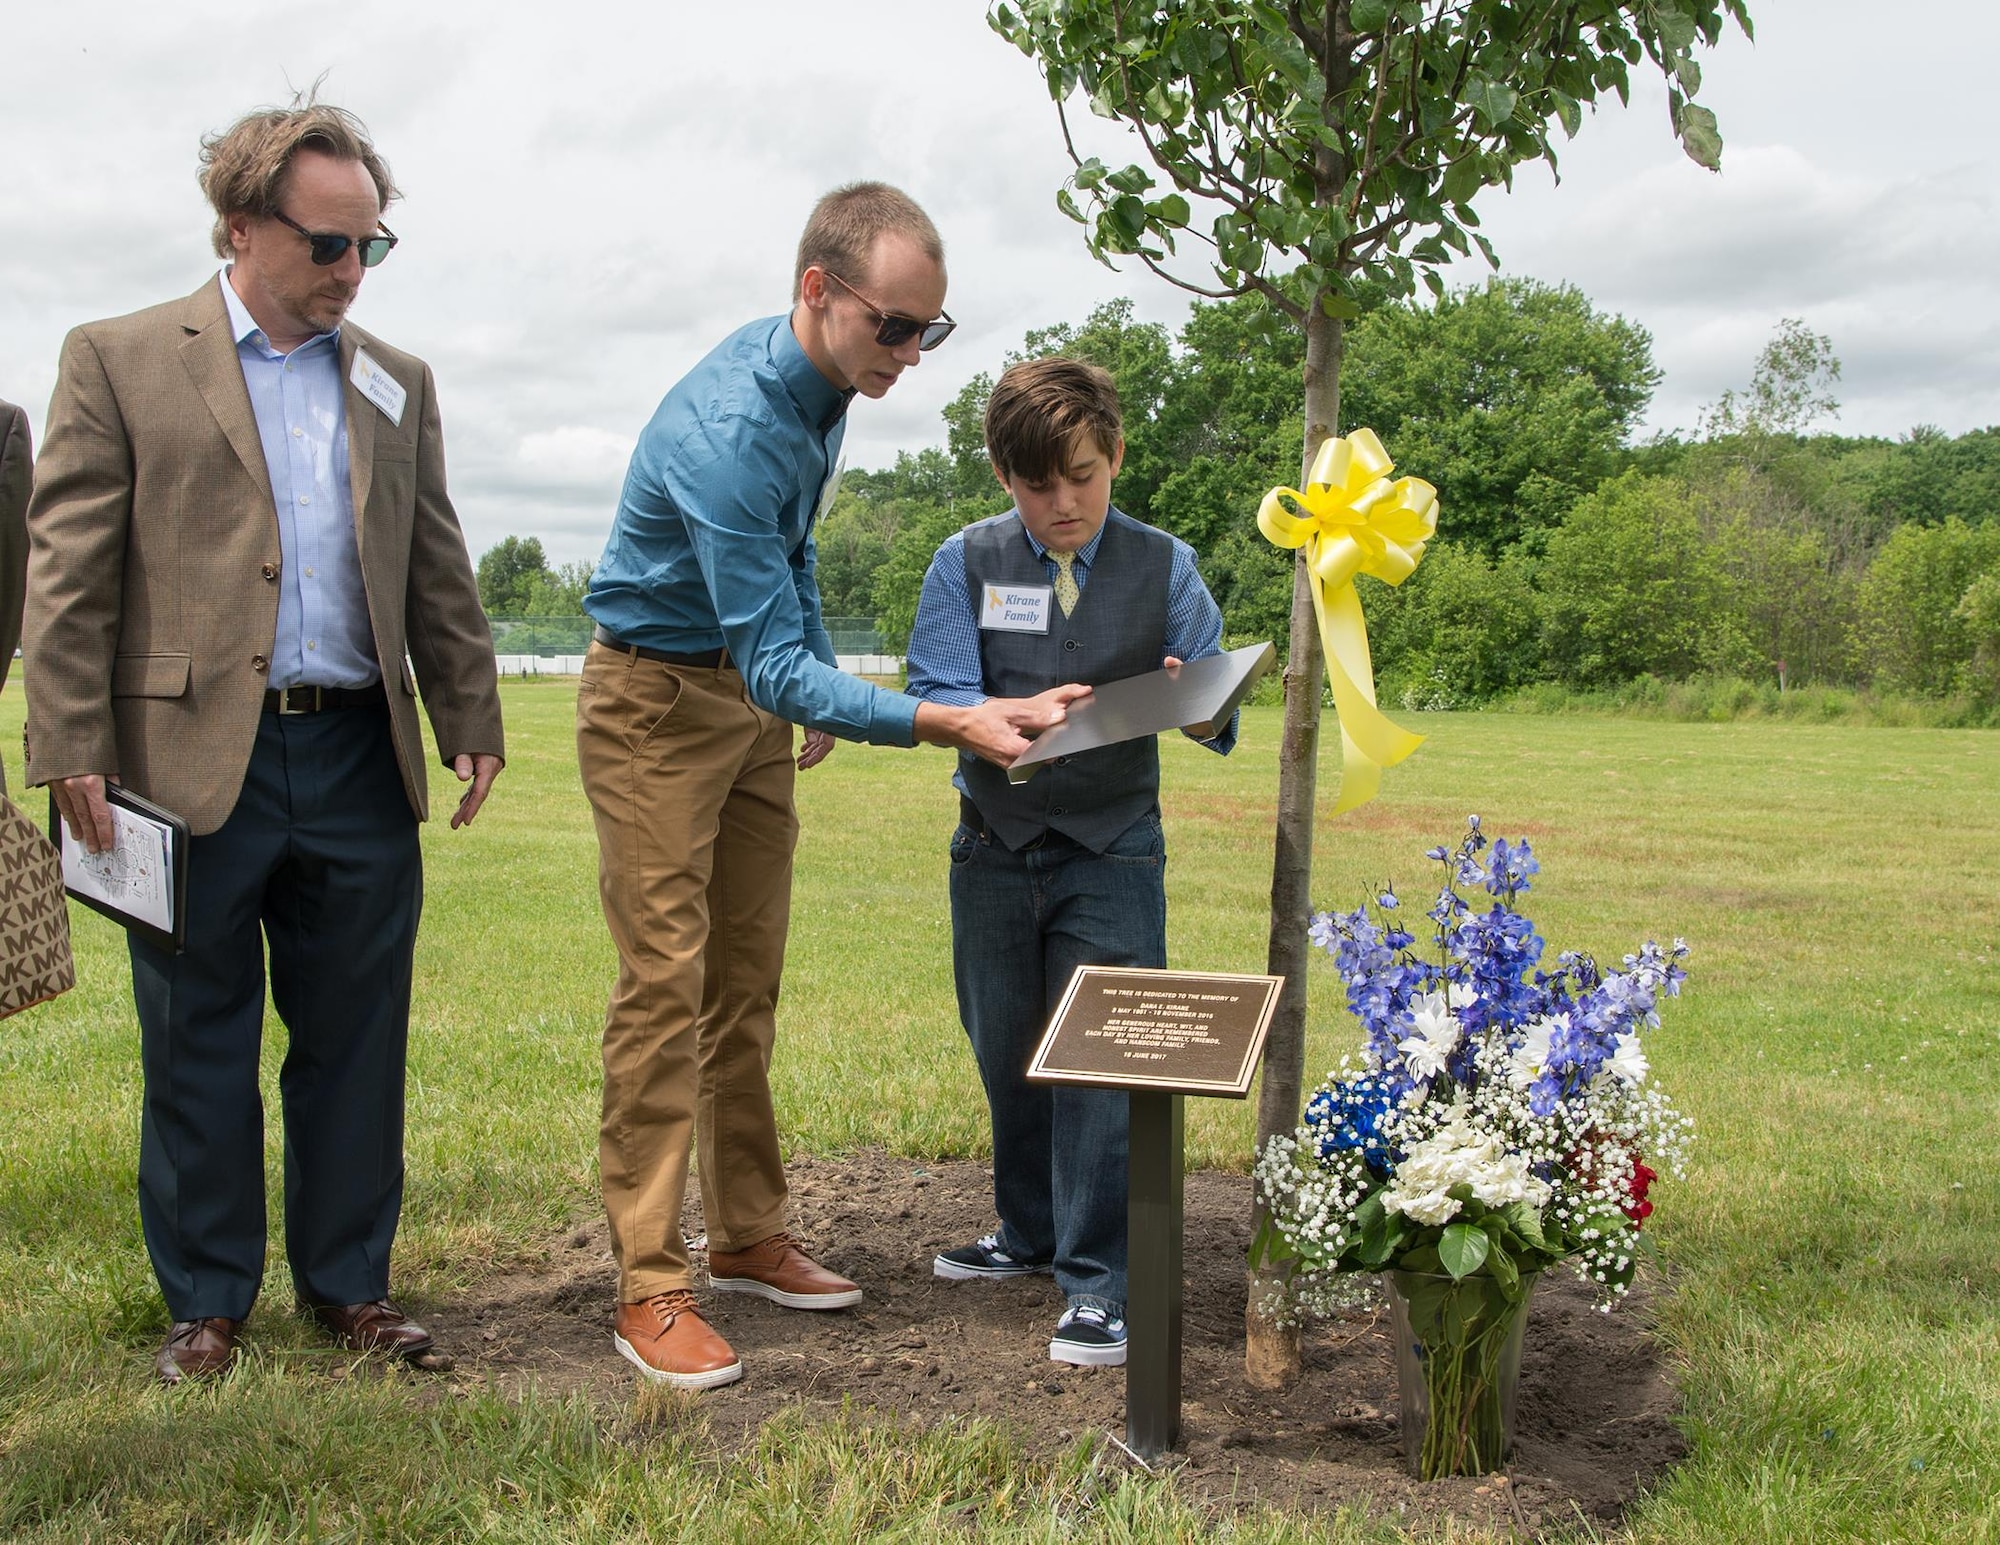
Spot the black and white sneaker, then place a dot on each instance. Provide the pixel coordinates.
(1089, 1337)
(983, 1258)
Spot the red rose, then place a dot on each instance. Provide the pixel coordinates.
(1639, 1209)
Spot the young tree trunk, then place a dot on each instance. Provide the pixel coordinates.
(1271, 1351)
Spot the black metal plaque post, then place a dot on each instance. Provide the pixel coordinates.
(1153, 1287)
(1160, 1036)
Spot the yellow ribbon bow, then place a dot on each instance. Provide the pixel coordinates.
(1352, 520)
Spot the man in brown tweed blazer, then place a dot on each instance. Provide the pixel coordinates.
(241, 544)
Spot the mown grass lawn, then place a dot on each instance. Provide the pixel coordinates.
(1837, 1308)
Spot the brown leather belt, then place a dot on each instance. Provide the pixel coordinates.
(701, 659)
(320, 699)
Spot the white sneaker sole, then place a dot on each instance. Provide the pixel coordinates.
(779, 1296)
(955, 1271)
(708, 1380)
(1078, 1356)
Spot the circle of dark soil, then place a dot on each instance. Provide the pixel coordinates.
(1595, 1423)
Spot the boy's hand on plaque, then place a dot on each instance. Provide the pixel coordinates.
(1043, 711)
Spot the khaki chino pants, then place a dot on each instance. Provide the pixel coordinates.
(691, 786)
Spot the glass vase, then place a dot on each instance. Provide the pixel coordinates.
(1458, 1365)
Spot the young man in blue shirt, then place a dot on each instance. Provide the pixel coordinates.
(1068, 869)
(708, 649)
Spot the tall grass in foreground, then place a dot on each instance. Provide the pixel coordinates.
(1836, 1314)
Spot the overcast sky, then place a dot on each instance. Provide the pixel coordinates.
(596, 192)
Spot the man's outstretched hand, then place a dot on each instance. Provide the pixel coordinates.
(1000, 728)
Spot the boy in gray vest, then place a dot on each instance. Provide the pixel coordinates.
(1069, 868)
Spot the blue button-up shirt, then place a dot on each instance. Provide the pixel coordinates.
(713, 545)
(324, 639)
(944, 642)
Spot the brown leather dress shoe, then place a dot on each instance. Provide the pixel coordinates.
(380, 1327)
(197, 1349)
(777, 1269)
(669, 1342)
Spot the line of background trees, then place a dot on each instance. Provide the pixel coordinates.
(1751, 549)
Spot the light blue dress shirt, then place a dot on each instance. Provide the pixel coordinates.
(944, 642)
(712, 545)
(324, 639)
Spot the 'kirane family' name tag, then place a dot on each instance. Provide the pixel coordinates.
(378, 386)
(1016, 608)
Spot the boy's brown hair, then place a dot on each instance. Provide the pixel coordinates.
(1038, 408)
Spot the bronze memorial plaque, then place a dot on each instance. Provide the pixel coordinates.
(1181, 1032)
(1197, 697)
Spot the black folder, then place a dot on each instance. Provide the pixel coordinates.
(114, 887)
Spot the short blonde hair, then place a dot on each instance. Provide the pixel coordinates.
(244, 168)
(840, 234)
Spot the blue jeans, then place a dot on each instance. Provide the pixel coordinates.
(1021, 923)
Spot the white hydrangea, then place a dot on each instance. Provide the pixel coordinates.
(1459, 1154)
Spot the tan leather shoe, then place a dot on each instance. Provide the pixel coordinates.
(197, 1349)
(777, 1269)
(668, 1341)
(380, 1327)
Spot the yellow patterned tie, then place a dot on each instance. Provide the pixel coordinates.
(1067, 593)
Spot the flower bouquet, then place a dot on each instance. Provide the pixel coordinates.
(1499, 1121)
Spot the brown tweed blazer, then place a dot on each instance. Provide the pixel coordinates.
(152, 578)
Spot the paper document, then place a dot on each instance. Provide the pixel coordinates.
(133, 878)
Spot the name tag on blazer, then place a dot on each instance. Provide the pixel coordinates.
(1016, 608)
(378, 386)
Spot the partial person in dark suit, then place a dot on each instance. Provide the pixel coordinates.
(240, 531)
(17, 477)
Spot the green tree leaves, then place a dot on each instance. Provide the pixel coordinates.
(1922, 605)
(508, 572)
(1348, 137)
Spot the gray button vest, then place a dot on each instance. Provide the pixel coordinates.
(1119, 629)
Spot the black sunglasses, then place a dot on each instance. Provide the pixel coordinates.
(328, 249)
(893, 331)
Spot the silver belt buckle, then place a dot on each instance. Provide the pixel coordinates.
(306, 705)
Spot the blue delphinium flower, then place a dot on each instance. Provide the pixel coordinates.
(1508, 870)
(1448, 907)
(1491, 970)
(1499, 949)
(1380, 975)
